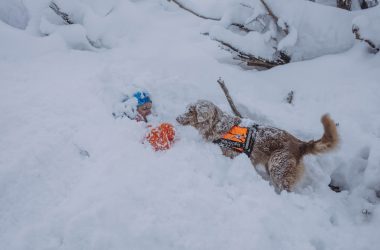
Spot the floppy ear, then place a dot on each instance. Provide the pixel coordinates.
(225, 122)
(203, 113)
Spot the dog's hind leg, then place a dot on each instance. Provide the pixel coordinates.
(284, 170)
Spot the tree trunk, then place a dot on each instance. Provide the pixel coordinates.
(344, 4)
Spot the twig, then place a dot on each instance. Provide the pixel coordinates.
(66, 18)
(290, 97)
(58, 11)
(193, 12)
(355, 30)
(252, 60)
(229, 99)
(238, 25)
(334, 188)
(275, 18)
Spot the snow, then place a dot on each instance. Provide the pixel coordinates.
(57, 100)
(14, 13)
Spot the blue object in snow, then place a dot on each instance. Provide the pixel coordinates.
(142, 98)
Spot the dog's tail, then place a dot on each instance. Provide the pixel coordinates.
(329, 140)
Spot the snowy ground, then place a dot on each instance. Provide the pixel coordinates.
(73, 177)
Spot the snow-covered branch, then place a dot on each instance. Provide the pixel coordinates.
(366, 29)
(253, 60)
(266, 35)
(182, 6)
(68, 20)
(372, 45)
(63, 15)
(275, 18)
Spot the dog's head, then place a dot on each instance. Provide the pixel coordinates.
(198, 113)
(207, 118)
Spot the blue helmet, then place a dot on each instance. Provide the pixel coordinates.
(142, 98)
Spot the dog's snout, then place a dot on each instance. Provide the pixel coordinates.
(181, 119)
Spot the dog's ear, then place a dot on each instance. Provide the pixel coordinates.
(204, 113)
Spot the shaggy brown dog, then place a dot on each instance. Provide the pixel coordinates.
(280, 152)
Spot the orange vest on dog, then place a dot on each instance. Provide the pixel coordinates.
(239, 139)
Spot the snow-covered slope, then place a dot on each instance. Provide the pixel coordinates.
(73, 177)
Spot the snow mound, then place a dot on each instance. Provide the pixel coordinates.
(73, 177)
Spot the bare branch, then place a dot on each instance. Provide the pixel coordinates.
(252, 60)
(193, 12)
(240, 26)
(229, 99)
(63, 15)
(66, 18)
(275, 18)
(355, 30)
(290, 97)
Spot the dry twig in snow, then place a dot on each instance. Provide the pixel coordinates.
(229, 99)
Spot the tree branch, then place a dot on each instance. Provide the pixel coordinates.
(344, 4)
(229, 99)
(240, 26)
(275, 18)
(63, 15)
(66, 18)
(355, 30)
(193, 12)
(252, 60)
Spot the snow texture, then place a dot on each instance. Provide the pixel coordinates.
(73, 177)
(315, 29)
(14, 13)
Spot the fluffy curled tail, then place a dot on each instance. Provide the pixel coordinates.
(328, 141)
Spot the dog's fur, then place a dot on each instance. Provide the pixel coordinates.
(280, 152)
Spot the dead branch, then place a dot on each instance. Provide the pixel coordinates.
(275, 18)
(252, 60)
(355, 30)
(229, 99)
(282, 55)
(290, 97)
(63, 15)
(238, 25)
(193, 12)
(335, 188)
(66, 18)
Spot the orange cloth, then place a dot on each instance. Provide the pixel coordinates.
(161, 137)
(237, 134)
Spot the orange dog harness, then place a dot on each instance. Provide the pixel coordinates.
(240, 139)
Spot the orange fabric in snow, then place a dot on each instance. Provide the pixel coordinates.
(161, 137)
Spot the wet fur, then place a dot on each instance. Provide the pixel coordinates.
(280, 152)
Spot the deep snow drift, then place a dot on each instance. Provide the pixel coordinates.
(73, 177)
